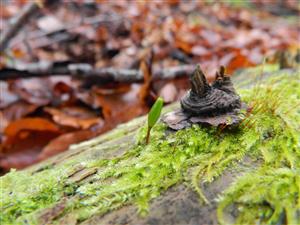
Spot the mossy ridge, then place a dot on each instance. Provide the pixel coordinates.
(271, 195)
(267, 196)
(23, 193)
(144, 172)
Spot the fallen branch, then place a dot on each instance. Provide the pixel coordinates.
(17, 22)
(87, 71)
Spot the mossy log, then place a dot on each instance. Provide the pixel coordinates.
(199, 175)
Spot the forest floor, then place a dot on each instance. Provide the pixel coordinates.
(74, 70)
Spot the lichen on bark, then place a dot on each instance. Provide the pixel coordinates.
(118, 169)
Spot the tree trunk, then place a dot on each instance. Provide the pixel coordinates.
(62, 190)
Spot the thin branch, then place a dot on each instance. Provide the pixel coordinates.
(16, 24)
(86, 71)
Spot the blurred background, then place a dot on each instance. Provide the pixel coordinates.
(71, 70)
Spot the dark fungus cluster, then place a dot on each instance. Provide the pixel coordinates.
(215, 104)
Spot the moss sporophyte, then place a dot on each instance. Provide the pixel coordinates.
(269, 193)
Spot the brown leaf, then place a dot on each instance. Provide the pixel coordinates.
(24, 149)
(89, 98)
(120, 108)
(76, 117)
(239, 61)
(15, 111)
(185, 46)
(28, 124)
(63, 142)
(113, 89)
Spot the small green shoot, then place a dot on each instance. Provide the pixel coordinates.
(153, 116)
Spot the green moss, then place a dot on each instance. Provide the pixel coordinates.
(267, 196)
(270, 195)
(23, 193)
(270, 133)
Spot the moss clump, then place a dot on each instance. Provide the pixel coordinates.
(270, 134)
(268, 196)
(23, 193)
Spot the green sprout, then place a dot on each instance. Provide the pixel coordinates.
(153, 116)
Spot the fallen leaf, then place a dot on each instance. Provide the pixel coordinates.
(28, 124)
(33, 90)
(62, 143)
(213, 38)
(183, 45)
(89, 98)
(239, 61)
(50, 24)
(18, 110)
(24, 151)
(15, 111)
(76, 117)
(113, 89)
(200, 51)
(121, 108)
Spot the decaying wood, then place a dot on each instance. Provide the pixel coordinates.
(178, 205)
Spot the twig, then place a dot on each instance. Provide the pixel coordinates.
(86, 71)
(16, 24)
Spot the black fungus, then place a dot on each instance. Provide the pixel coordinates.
(216, 104)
